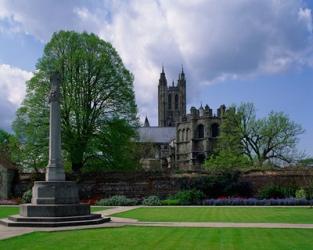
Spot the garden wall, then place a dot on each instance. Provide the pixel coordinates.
(142, 184)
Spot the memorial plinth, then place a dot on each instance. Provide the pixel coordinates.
(55, 202)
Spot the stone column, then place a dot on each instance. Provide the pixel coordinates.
(55, 202)
(55, 169)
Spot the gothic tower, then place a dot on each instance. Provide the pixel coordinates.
(162, 101)
(171, 100)
(182, 92)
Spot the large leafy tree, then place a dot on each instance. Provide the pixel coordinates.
(96, 88)
(247, 140)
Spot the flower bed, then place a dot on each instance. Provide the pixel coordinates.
(9, 202)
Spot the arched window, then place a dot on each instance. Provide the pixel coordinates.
(215, 130)
(183, 135)
(178, 135)
(176, 101)
(200, 131)
(187, 134)
(169, 101)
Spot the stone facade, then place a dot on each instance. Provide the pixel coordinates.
(171, 100)
(195, 133)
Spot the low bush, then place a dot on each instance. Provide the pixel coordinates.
(276, 191)
(226, 184)
(170, 202)
(117, 200)
(309, 193)
(189, 197)
(151, 201)
(301, 194)
(256, 202)
(27, 196)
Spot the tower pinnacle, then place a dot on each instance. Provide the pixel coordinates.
(146, 124)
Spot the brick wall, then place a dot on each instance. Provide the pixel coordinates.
(142, 184)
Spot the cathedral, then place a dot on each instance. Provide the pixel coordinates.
(180, 141)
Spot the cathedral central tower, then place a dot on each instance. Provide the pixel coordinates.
(171, 100)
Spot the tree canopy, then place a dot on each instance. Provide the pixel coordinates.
(246, 140)
(96, 89)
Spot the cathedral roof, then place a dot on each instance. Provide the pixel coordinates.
(157, 134)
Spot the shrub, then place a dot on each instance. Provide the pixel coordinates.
(224, 184)
(27, 196)
(300, 194)
(117, 200)
(189, 197)
(151, 201)
(309, 193)
(170, 202)
(276, 191)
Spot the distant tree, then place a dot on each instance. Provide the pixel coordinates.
(272, 139)
(8, 147)
(96, 88)
(4, 144)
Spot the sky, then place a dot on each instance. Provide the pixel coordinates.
(232, 51)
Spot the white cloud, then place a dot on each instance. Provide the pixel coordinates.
(216, 40)
(12, 86)
(305, 15)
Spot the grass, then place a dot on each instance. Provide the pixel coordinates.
(6, 211)
(222, 214)
(164, 238)
(97, 209)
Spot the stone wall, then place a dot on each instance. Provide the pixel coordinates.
(142, 184)
(285, 177)
(7, 174)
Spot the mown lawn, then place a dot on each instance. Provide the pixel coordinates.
(165, 238)
(6, 211)
(222, 214)
(97, 209)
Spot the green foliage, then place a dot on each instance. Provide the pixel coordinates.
(226, 160)
(223, 184)
(300, 194)
(277, 191)
(8, 146)
(117, 149)
(117, 200)
(307, 162)
(189, 197)
(97, 107)
(151, 201)
(309, 192)
(246, 140)
(27, 196)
